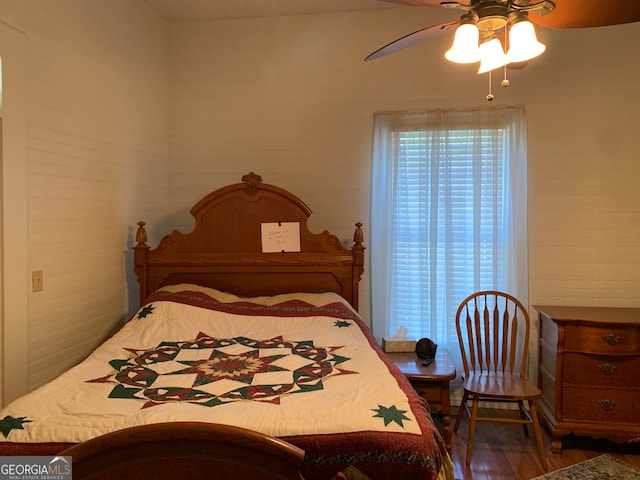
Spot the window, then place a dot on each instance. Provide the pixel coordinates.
(448, 215)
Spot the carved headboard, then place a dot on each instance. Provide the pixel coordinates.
(225, 249)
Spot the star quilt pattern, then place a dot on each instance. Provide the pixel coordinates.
(211, 371)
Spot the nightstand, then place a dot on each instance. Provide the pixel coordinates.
(431, 382)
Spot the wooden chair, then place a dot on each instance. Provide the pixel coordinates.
(493, 332)
(185, 450)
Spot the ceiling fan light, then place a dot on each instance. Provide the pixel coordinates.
(524, 44)
(465, 45)
(492, 56)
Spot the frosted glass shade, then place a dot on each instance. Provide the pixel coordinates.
(492, 56)
(465, 45)
(523, 43)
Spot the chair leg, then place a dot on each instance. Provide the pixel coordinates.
(461, 410)
(538, 432)
(523, 417)
(472, 428)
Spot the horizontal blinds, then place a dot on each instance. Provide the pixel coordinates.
(447, 231)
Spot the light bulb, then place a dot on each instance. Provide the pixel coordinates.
(523, 44)
(465, 45)
(491, 56)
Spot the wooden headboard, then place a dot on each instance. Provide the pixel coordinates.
(224, 250)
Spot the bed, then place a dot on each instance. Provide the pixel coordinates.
(249, 321)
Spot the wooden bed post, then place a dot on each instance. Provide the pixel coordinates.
(358, 261)
(140, 259)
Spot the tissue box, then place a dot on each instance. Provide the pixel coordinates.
(394, 345)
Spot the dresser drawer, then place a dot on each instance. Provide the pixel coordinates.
(601, 405)
(602, 340)
(548, 388)
(601, 370)
(548, 361)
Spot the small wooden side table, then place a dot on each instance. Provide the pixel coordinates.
(431, 382)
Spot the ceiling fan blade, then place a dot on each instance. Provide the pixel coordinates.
(417, 3)
(412, 39)
(589, 13)
(568, 13)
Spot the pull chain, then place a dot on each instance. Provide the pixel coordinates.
(489, 95)
(505, 80)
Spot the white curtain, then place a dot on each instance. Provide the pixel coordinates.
(449, 215)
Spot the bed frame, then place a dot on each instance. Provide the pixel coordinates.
(225, 250)
(193, 450)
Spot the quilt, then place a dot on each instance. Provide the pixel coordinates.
(301, 367)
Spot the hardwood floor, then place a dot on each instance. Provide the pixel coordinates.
(502, 452)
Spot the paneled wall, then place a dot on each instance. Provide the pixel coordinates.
(97, 161)
(290, 98)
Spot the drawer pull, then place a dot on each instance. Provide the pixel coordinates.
(607, 368)
(611, 338)
(607, 405)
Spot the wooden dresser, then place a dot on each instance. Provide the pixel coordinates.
(589, 372)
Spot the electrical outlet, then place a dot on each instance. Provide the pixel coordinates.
(36, 280)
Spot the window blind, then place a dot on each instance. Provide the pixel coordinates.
(447, 222)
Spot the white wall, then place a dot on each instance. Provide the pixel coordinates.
(97, 161)
(13, 257)
(291, 99)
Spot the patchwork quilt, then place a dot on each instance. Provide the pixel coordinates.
(301, 367)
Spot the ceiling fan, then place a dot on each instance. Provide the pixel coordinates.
(488, 25)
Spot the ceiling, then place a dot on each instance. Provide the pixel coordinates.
(194, 10)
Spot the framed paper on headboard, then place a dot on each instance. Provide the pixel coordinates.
(280, 237)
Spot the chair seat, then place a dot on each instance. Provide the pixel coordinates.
(500, 385)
